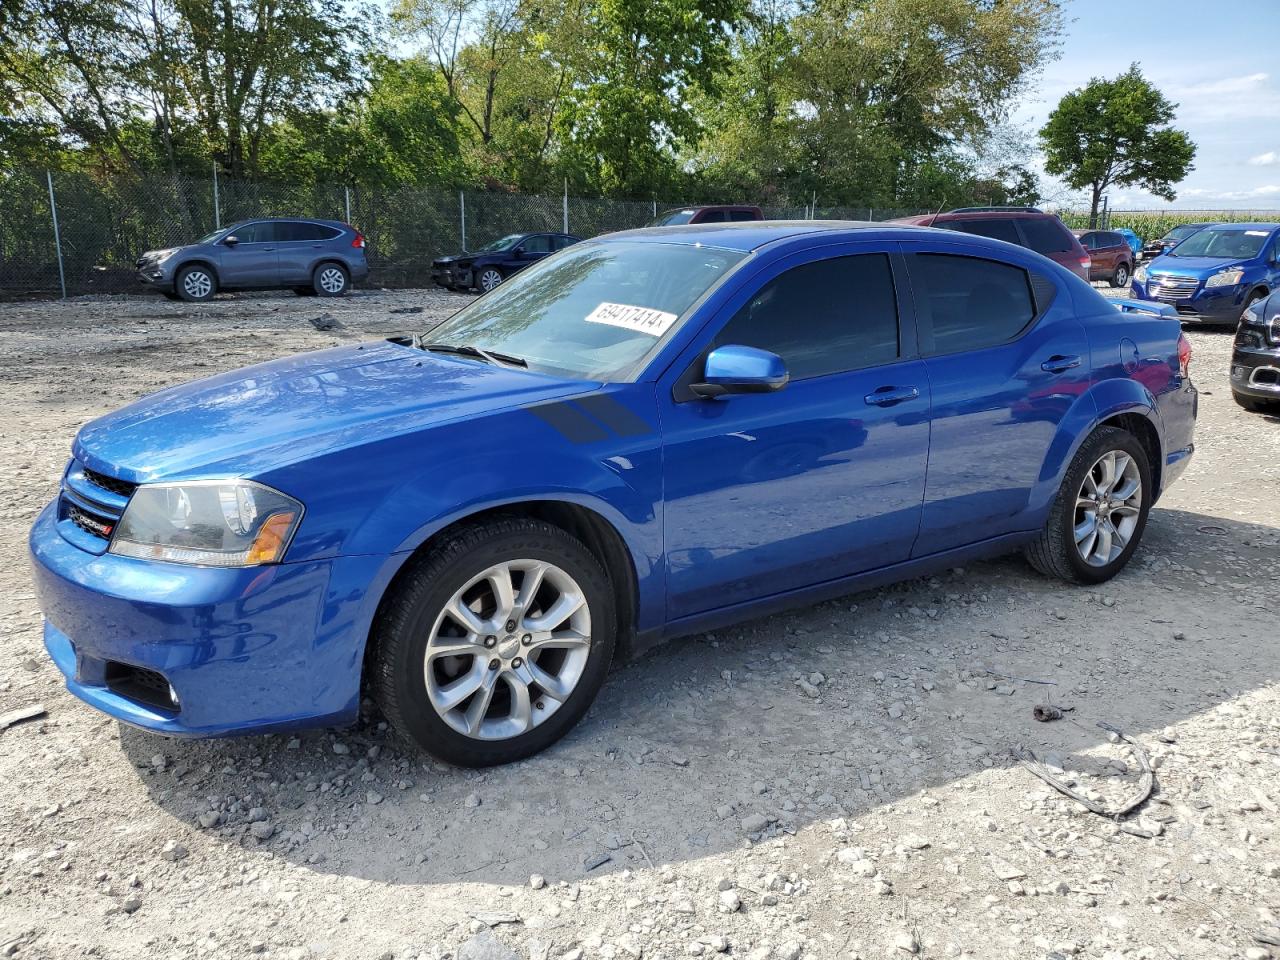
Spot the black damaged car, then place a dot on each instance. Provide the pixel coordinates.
(1255, 360)
(485, 268)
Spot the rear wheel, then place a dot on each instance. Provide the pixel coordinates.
(1121, 277)
(494, 645)
(330, 280)
(1097, 519)
(196, 284)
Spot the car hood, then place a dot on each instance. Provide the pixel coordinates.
(165, 252)
(456, 258)
(263, 417)
(1193, 266)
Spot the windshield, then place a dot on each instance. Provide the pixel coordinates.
(210, 237)
(593, 311)
(1181, 233)
(501, 244)
(1242, 244)
(672, 218)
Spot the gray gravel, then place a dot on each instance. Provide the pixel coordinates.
(834, 782)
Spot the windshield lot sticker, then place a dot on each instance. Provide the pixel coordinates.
(1256, 233)
(640, 319)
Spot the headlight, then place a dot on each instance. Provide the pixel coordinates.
(214, 523)
(162, 255)
(1226, 278)
(1141, 274)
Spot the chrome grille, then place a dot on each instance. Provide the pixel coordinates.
(1171, 287)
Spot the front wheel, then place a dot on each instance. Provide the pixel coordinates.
(488, 279)
(1121, 277)
(495, 644)
(1097, 519)
(195, 284)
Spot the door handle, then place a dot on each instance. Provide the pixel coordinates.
(888, 396)
(1059, 363)
(268, 249)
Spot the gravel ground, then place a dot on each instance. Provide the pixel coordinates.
(835, 782)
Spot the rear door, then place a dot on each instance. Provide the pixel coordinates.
(766, 493)
(301, 247)
(254, 260)
(1006, 360)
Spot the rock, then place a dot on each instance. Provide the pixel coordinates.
(1257, 953)
(808, 689)
(789, 951)
(915, 842)
(730, 902)
(485, 945)
(262, 829)
(472, 801)
(724, 811)
(373, 797)
(537, 881)
(131, 904)
(754, 823)
(1006, 871)
(209, 819)
(683, 906)
(896, 710)
(599, 860)
(173, 851)
(906, 942)
(258, 814)
(341, 749)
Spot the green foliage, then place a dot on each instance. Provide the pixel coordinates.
(1117, 133)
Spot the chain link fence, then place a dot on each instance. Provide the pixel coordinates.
(71, 233)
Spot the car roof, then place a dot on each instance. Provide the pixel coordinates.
(713, 206)
(327, 223)
(749, 235)
(992, 214)
(1242, 226)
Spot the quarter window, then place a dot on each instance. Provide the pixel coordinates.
(1046, 235)
(823, 317)
(741, 216)
(971, 303)
(301, 232)
(995, 229)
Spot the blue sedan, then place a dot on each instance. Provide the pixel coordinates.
(644, 435)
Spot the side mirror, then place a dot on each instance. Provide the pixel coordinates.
(231, 241)
(737, 369)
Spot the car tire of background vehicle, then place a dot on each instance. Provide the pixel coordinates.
(330, 280)
(195, 284)
(1121, 277)
(1251, 299)
(1096, 506)
(487, 279)
(422, 688)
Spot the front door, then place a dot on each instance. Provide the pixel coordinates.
(1006, 361)
(253, 261)
(767, 493)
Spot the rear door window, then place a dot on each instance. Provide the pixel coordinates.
(712, 216)
(537, 244)
(970, 303)
(825, 317)
(1046, 235)
(739, 216)
(995, 228)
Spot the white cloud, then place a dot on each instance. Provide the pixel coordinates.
(1269, 159)
(1227, 85)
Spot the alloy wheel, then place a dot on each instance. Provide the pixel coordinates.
(508, 649)
(197, 284)
(489, 279)
(1108, 505)
(332, 280)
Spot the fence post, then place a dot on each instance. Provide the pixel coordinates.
(566, 205)
(57, 236)
(217, 215)
(347, 192)
(869, 216)
(462, 218)
(655, 207)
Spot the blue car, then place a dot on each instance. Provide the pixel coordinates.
(1216, 274)
(644, 435)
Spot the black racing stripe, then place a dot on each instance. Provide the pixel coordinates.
(614, 415)
(571, 423)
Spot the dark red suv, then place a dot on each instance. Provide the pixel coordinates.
(708, 213)
(1026, 226)
(1111, 255)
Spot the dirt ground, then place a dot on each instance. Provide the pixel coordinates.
(832, 783)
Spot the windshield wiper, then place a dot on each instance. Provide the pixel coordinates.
(470, 350)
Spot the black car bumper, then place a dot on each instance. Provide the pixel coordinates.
(1255, 364)
(450, 275)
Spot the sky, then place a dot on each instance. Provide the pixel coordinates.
(1218, 61)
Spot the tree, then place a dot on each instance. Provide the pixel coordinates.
(1116, 133)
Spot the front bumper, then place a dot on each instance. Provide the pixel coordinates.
(1255, 372)
(155, 275)
(1217, 305)
(451, 276)
(248, 650)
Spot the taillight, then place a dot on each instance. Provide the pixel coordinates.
(358, 241)
(1184, 355)
(1086, 263)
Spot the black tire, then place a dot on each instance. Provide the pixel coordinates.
(1254, 404)
(1250, 300)
(409, 613)
(330, 280)
(485, 276)
(195, 284)
(1121, 277)
(1055, 553)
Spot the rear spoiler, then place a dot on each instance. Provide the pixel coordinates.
(1147, 307)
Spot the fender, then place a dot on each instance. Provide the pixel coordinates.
(1104, 401)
